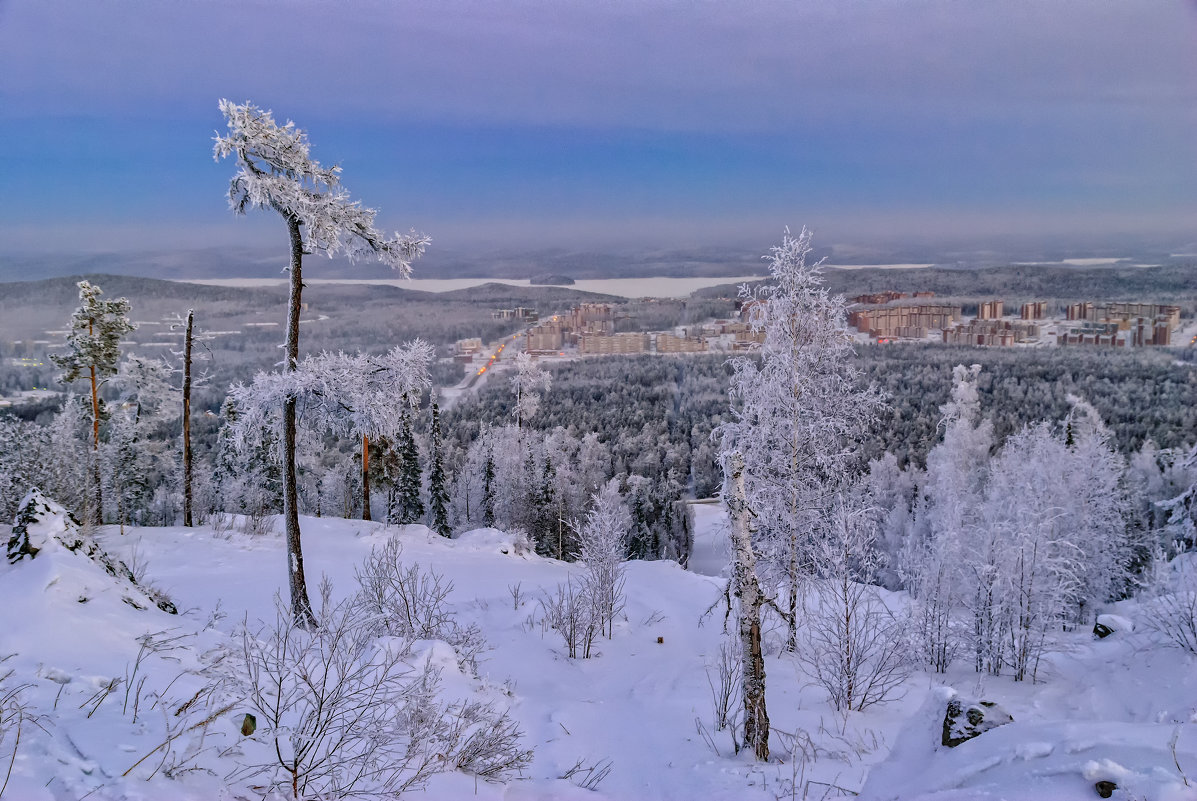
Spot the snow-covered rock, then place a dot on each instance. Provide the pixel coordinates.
(966, 719)
(44, 529)
(1110, 624)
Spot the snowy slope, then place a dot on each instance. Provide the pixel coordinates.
(1107, 706)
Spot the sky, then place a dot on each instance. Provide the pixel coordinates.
(612, 123)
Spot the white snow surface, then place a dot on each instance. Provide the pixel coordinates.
(1107, 709)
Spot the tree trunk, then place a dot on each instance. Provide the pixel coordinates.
(187, 419)
(97, 491)
(301, 607)
(365, 478)
(748, 591)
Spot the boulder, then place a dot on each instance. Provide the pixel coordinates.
(967, 719)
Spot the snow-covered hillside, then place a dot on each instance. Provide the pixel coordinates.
(1123, 708)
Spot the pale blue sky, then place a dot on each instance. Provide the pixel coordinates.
(616, 123)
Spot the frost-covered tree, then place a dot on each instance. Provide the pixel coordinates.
(796, 417)
(798, 414)
(385, 390)
(275, 170)
(135, 456)
(93, 350)
(1180, 531)
(25, 459)
(603, 539)
(749, 601)
(528, 382)
(1029, 570)
(852, 643)
(953, 489)
(246, 474)
(1097, 503)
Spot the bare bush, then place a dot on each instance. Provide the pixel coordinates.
(853, 643)
(484, 742)
(341, 713)
(1172, 612)
(14, 717)
(571, 614)
(413, 603)
(338, 715)
(588, 777)
(726, 686)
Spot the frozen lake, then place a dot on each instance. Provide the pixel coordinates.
(661, 287)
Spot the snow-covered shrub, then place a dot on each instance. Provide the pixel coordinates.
(1172, 607)
(726, 685)
(853, 645)
(482, 742)
(411, 602)
(570, 612)
(341, 712)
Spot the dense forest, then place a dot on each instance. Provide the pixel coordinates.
(645, 420)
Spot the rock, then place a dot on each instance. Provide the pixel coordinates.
(1105, 789)
(965, 720)
(249, 724)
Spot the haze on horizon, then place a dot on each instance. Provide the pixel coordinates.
(666, 124)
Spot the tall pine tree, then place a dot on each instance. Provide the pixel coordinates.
(93, 351)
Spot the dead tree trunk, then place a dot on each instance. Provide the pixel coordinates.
(747, 590)
(301, 607)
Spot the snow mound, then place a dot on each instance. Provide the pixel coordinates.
(1116, 623)
(492, 539)
(72, 562)
(1060, 760)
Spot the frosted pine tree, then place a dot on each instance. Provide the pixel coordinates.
(275, 170)
(93, 350)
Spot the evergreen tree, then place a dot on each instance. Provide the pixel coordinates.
(488, 491)
(410, 509)
(438, 497)
(96, 329)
